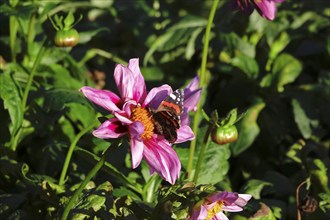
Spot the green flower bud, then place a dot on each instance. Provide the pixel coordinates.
(224, 135)
(66, 38)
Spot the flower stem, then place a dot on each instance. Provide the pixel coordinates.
(70, 152)
(202, 152)
(201, 84)
(89, 176)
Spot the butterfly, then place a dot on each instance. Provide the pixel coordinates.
(166, 117)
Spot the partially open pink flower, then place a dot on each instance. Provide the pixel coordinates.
(132, 117)
(266, 8)
(212, 207)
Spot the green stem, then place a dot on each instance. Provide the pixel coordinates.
(31, 76)
(13, 24)
(112, 171)
(202, 152)
(201, 83)
(15, 137)
(30, 33)
(70, 152)
(89, 176)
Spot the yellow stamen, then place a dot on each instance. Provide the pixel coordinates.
(144, 116)
(214, 210)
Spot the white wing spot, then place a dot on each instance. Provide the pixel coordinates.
(173, 96)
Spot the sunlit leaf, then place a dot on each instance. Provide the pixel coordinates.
(301, 119)
(263, 213)
(180, 33)
(319, 171)
(277, 46)
(255, 186)
(325, 201)
(285, 70)
(215, 164)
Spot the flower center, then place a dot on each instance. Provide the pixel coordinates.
(214, 210)
(144, 116)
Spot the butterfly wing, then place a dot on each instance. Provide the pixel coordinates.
(167, 116)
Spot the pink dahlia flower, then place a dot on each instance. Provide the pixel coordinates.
(132, 117)
(213, 206)
(266, 8)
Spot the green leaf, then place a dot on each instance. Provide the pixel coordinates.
(183, 32)
(236, 45)
(263, 213)
(86, 36)
(301, 119)
(295, 151)
(68, 21)
(285, 70)
(191, 47)
(319, 171)
(277, 46)
(152, 73)
(247, 65)
(81, 113)
(10, 203)
(325, 201)
(58, 99)
(96, 198)
(122, 191)
(62, 78)
(215, 165)
(230, 118)
(248, 129)
(183, 154)
(254, 187)
(10, 95)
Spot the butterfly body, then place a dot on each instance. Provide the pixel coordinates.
(166, 117)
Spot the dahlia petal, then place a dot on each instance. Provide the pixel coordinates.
(220, 216)
(122, 116)
(103, 98)
(128, 106)
(266, 8)
(227, 197)
(232, 208)
(193, 85)
(191, 99)
(244, 5)
(184, 134)
(111, 128)
(162, 159)
(156, 96)
(125, 82)
(139, 89)
(136, 130)
(243, 199)
(199, 213)
(184, 118)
